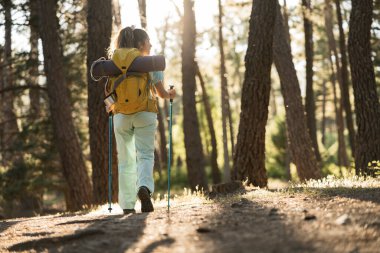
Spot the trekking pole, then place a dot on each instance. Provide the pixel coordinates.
(170, 144)
(110, 127)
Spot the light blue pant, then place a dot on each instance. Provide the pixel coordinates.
(135, 153)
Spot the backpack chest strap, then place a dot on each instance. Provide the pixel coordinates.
(123, 77)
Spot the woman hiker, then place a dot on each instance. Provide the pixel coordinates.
(135, 131)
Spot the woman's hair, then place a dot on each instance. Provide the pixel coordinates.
(128, 37)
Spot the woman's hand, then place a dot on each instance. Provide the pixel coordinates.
(110, 108)
(172, 93)
(162, 93)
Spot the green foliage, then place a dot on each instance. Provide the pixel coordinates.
(178, 180)
(276, 150)
(40, 171)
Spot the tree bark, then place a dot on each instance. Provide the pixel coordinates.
(224, 99)
(216, 177)
(2, 144)
(249, 158)
(309, 52)
(142, 8)
(286, 23)
(338, 105)
(367, 147)
(299, 139)
(98, 119)
(344, 77)
(34, 94)
(65, 137)
(193, 144)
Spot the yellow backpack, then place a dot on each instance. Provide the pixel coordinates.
(132, 91)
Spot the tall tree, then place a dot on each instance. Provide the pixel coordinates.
(193, 144)
(338, 105)
(215, 173)
(344, 77)
(299, 140)
(142, 8)
(116, 15)
(34, 94)
(162, 113)
(161, 128)
(224, 98)
(65, 137)
(249, 158)
(286, 21)
(323, 122)
(9, 127)
(367, 148)
(98, 120)
(2, 144)
(309, 52)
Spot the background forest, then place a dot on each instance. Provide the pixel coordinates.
(315, 114)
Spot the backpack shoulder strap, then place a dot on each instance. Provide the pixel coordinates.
(123, 58)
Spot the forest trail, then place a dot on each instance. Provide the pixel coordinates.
(314, 220)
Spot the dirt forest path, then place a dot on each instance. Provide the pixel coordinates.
(342, 220)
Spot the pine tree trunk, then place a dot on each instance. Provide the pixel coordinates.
(142, 8)
(98, 118)
(299, 140)
(273, 102)
(224, 100)
(65, 137)
(323, 123)
(342, 153)
(2, 143)
(286, 23)
(249, 158)
(193, 144)
(230, 122)
(34, 94)
(344, 77)
(367, 106)
(116, 15)
(9, 121)
(162, 115)
(309, 52)
(216, 177)
(12, 158)
(288, 158)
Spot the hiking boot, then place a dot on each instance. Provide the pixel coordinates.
(128, 211)
(146, 203)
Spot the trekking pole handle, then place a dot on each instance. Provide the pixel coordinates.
(171, 87)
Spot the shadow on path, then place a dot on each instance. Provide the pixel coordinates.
(363, 194)
(114, 233)
(4, 225)
(247, 226)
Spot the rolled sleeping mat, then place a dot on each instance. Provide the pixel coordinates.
(140, 64)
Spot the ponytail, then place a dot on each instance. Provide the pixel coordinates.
(128, 37)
